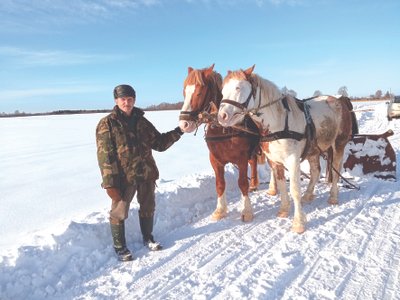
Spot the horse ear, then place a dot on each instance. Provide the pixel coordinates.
(190, 69)
(249, 71)
(209, 70)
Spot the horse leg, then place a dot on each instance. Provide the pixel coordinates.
(299, 220)
(221, 210)
(272, 188)
(246, 210)
(254, 183)
(315, 170)
(336, 163)
(280, 181)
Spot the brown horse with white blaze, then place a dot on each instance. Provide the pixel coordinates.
(294, 131)
(202, 97)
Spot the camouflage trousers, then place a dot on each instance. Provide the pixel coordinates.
(145, 196)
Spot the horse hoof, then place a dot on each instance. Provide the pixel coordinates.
(272, 192)
(298, 229)
(253, 188)
(333, 201)
(216, 216)
(307, 199)
(247, 218)
(282, 214)
(299, 224)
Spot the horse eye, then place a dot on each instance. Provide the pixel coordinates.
(238, 88)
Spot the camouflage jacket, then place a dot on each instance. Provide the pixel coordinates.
(124, 148)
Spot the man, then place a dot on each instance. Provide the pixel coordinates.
(125, 139)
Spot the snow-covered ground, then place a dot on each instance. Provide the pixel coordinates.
(55, 240)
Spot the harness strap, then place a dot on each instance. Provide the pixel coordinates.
(282, 135)
(223, 137)
(309, 133)
(285, 133)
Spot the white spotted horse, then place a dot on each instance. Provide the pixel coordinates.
(293, 131)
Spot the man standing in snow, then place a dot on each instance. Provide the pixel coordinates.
(125, 139)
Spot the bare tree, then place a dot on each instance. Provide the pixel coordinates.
(343, 91)
(285, 90)
(292, 93)
(317, 93)
(387, 95)
(378, 94)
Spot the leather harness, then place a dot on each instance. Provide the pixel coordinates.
(309, 132)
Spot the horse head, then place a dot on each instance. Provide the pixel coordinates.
(238, 95)
(246, 94)
(202, 92)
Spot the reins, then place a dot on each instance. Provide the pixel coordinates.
(309, 133)
(326, 158)
(243, 106)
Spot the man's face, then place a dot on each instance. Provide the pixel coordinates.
(125, 104)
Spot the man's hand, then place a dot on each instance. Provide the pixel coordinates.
(119, 208)
(114, 194)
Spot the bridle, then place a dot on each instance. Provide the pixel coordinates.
(244, 106)
(201, 115)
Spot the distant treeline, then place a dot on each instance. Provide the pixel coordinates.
(165, 106)
(162, 106)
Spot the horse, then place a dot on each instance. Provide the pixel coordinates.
(202, 96)
(294, 130)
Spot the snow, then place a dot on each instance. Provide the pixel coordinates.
(56, 242)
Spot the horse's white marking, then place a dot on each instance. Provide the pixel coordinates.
(222, 208)
(247, 210)
(189, 90)
(188, 125)
(236, 90)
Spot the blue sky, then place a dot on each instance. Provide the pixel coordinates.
(70, 54)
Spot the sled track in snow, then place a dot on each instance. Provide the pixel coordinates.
(206, 260)
(263, 259)
(330, 276)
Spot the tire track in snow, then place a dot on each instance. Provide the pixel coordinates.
(332, 266)
(381, 263)
(216, 252)
(229, 265)
(192, 255)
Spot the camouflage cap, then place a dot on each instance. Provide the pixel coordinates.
(124, 90)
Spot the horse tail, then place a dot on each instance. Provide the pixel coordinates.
(354, 123)
(261, 158)
(329, 160)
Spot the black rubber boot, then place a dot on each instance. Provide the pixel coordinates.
(118, 235)
(146, 226)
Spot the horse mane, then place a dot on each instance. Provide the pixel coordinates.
(269, 89)
(196, 77)
(211, 80)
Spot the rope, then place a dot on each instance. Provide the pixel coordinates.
(349, 184)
